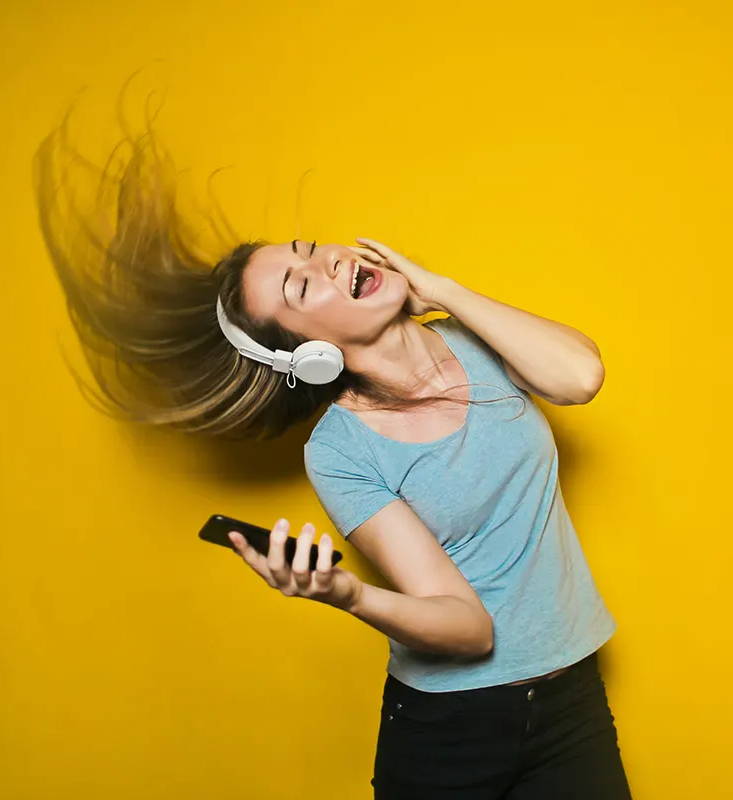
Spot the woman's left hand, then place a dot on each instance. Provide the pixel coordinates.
(425, 287)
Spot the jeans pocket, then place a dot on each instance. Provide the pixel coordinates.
(420, 708)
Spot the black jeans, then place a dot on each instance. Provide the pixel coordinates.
(551, 739)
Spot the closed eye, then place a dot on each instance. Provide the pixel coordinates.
(305, 282)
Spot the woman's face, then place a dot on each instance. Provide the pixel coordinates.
(307, 290)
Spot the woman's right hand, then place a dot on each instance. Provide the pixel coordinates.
(326, 584)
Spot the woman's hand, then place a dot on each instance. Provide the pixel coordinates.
(425, 287)
(326, 584)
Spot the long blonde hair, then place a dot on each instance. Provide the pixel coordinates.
(142, 299)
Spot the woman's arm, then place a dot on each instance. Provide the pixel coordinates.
(549, 358)
(440, 624)
(557, 361)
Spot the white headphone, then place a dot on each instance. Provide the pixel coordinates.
(315, 361)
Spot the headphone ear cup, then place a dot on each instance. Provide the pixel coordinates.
(317, 362)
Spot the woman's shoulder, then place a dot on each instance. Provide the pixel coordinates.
(442, 323)
(336, 429)
(336, 448)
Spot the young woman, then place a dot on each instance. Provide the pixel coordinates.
(418, 456)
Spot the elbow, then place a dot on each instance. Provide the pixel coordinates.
(485, 643)
(483, 651)
(473, 631)
(594, 382)
(487, 646)
(589, 388)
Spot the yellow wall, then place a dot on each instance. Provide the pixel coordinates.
(572, 159)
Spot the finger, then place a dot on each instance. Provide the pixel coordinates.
(368, 255)
(253, 558)
(258, 562)
(365, 251)
(241, 546)
(382, 249)
(300, 567)
(276, 563)
(322, 576)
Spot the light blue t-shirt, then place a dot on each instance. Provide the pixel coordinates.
(489, 492)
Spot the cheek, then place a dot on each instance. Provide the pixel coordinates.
(334, 314)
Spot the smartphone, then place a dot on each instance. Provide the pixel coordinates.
(217, 527)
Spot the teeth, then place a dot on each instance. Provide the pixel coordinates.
(353, 280)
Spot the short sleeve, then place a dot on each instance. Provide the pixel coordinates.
(350, 490)
(492, 361)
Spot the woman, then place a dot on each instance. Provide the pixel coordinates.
(494, 622)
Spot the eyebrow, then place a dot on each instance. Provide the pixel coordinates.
(287, 273)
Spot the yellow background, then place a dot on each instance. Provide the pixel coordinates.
(571, 159)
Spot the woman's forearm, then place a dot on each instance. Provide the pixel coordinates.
(437, 624)
(557, 359)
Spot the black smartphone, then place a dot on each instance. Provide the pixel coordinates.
(218, 526)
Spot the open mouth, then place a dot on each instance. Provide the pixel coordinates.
(364, 281)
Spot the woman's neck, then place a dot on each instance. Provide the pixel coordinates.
(410, 358)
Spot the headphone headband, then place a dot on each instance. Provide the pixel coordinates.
(315, 361)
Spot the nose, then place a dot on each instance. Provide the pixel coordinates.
(332, 263)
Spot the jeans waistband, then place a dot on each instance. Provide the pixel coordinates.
(586, 667)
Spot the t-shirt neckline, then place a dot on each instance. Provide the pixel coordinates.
(445, 438)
